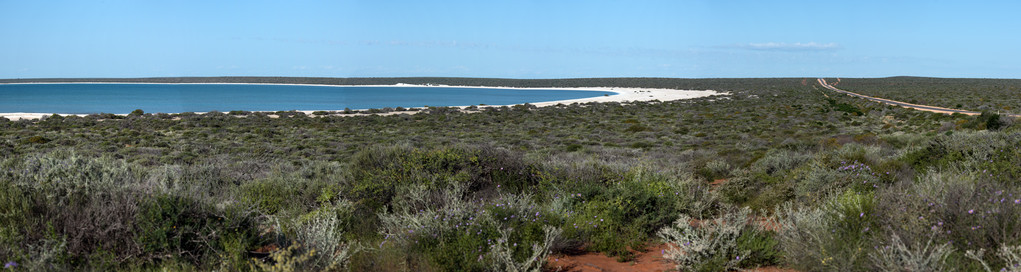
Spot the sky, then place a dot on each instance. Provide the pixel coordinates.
(510, 39)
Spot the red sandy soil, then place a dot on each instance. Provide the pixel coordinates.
(267, 249)
(717, 182)
(649, 261)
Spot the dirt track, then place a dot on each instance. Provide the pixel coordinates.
(906, 105)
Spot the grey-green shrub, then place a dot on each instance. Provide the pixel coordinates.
(322, 232)
(15, 212)
(898, 256)
(834, 237)
(711, 245)
(502, 255)
(63, 173)
(48, 254)
(817, 182)
(867, 154)
(87, 200)
(716, 169)
(779, 160)
(1010, 256)
(803, 235)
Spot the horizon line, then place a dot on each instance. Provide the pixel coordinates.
(463, 77)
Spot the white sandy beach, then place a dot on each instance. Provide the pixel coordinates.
(622, 95)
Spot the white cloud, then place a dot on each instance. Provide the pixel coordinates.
(782, 46)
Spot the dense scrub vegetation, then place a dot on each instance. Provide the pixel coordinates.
(993, 95)
(777, 172)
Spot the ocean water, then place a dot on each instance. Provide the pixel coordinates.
(171, 98)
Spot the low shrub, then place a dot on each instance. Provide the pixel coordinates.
(969, 213)
(16, 206)
(282, 193)
(1010, 256)
(37, 140)
(176, 226)
(636, 128)
(987, 120)
(452, 233)
(897, 256)
(739, 189)
(315, 242)
(707, 245)
(835, 237)
(379, 171)
(624, 212)
(778, 160)
(992, 154)
(762, 247)
(715, 169)
(505, 258)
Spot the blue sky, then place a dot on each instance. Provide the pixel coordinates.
(510, 39)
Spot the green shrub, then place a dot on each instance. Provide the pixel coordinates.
(739, 189)
(48, 253)
(762, 247)
(844, 107)
(987, 120)
(37, 140)
(180, 226)
(636, 128)
(233, 253)
(574, 147)
(835, 237)
(379, 171)
(642, 145)
(772, 196)
(625, 211)
(715, 169)
(993, 154)
(271, 195)
(779, 160)
(14, 218)
(452, 233)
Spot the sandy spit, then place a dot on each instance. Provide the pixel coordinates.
(621, 95)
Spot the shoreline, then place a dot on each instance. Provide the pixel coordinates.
(621, 94)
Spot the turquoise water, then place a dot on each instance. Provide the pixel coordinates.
(123, 98)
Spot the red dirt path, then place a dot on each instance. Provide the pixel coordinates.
(649, 261)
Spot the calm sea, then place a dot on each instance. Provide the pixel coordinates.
(123, 98)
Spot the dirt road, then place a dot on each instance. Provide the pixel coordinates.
(906, 105)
